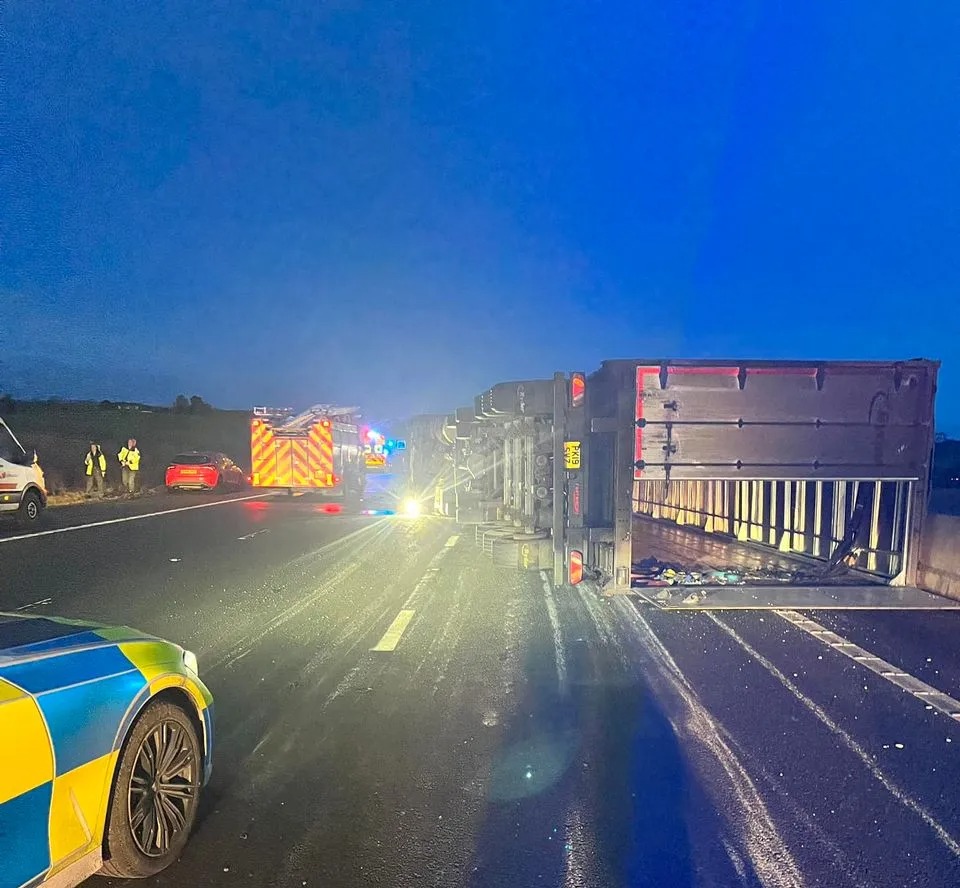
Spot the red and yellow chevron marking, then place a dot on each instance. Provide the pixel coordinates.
(321, 439)
(299, 462)
(291, 460)
(263, 458)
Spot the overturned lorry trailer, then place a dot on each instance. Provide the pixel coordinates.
(800, 474)
(823, 464)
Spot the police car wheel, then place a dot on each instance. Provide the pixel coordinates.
(153, 805)
(30, 507)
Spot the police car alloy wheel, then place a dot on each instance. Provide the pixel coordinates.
(155, 795)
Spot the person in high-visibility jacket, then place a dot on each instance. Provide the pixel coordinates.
(129, 457)
(96, 469)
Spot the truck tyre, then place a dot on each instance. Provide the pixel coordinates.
(30, 508)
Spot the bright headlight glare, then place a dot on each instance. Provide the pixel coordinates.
(190, 661)
(411, 507)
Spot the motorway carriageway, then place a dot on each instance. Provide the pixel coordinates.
(392, 709)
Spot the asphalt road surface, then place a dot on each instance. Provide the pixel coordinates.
(394, 710)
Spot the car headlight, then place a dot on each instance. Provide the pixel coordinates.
(190, 662)
(411, 507)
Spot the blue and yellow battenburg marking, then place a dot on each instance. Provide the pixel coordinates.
(68, 695)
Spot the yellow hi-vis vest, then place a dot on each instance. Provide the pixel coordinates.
(130, 458)
(101, 461)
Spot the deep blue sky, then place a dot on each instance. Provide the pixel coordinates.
(398, 204)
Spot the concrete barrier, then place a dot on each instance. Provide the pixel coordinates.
(939, 568)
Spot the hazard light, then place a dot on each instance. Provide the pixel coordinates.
(575, 572)
(325, 423)
(578, 389)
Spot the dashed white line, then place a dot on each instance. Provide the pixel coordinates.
(391, 638)
(904, 680)
(33, 604)
(73, 527)
(869, 763)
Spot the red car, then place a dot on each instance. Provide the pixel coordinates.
(204, 471)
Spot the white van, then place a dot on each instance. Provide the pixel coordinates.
(22, 490)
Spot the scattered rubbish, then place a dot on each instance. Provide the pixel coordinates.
(654, 572)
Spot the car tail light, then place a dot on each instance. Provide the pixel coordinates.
(578, 389)
(336, 479)
(575, 571)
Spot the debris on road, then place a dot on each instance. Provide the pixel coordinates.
(654, 572)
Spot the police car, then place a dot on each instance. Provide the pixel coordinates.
(22, 490)
(105, 744)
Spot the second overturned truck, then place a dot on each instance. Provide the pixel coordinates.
(654, 476)
(318, 450)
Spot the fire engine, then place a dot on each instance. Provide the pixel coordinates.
(316, 450)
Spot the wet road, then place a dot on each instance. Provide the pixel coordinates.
(511, 734)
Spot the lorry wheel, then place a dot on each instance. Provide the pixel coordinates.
(30, 508)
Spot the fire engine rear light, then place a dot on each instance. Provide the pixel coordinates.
(575, 571)
(578, 389)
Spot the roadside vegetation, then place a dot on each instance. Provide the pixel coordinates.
(61, 432)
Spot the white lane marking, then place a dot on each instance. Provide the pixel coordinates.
(772, 861)
(558, 656)
(896, 791)
(260, 745)
(250, 536)
(391, 638)
(39, 603)
(450, 543)
(433, 568)
(41, 533)
(904, 680)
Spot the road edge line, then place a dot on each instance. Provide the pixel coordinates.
(73, 527)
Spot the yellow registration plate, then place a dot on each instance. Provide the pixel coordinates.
(571, 455)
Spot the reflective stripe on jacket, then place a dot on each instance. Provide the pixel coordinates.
(130, 458)
(101, 461)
